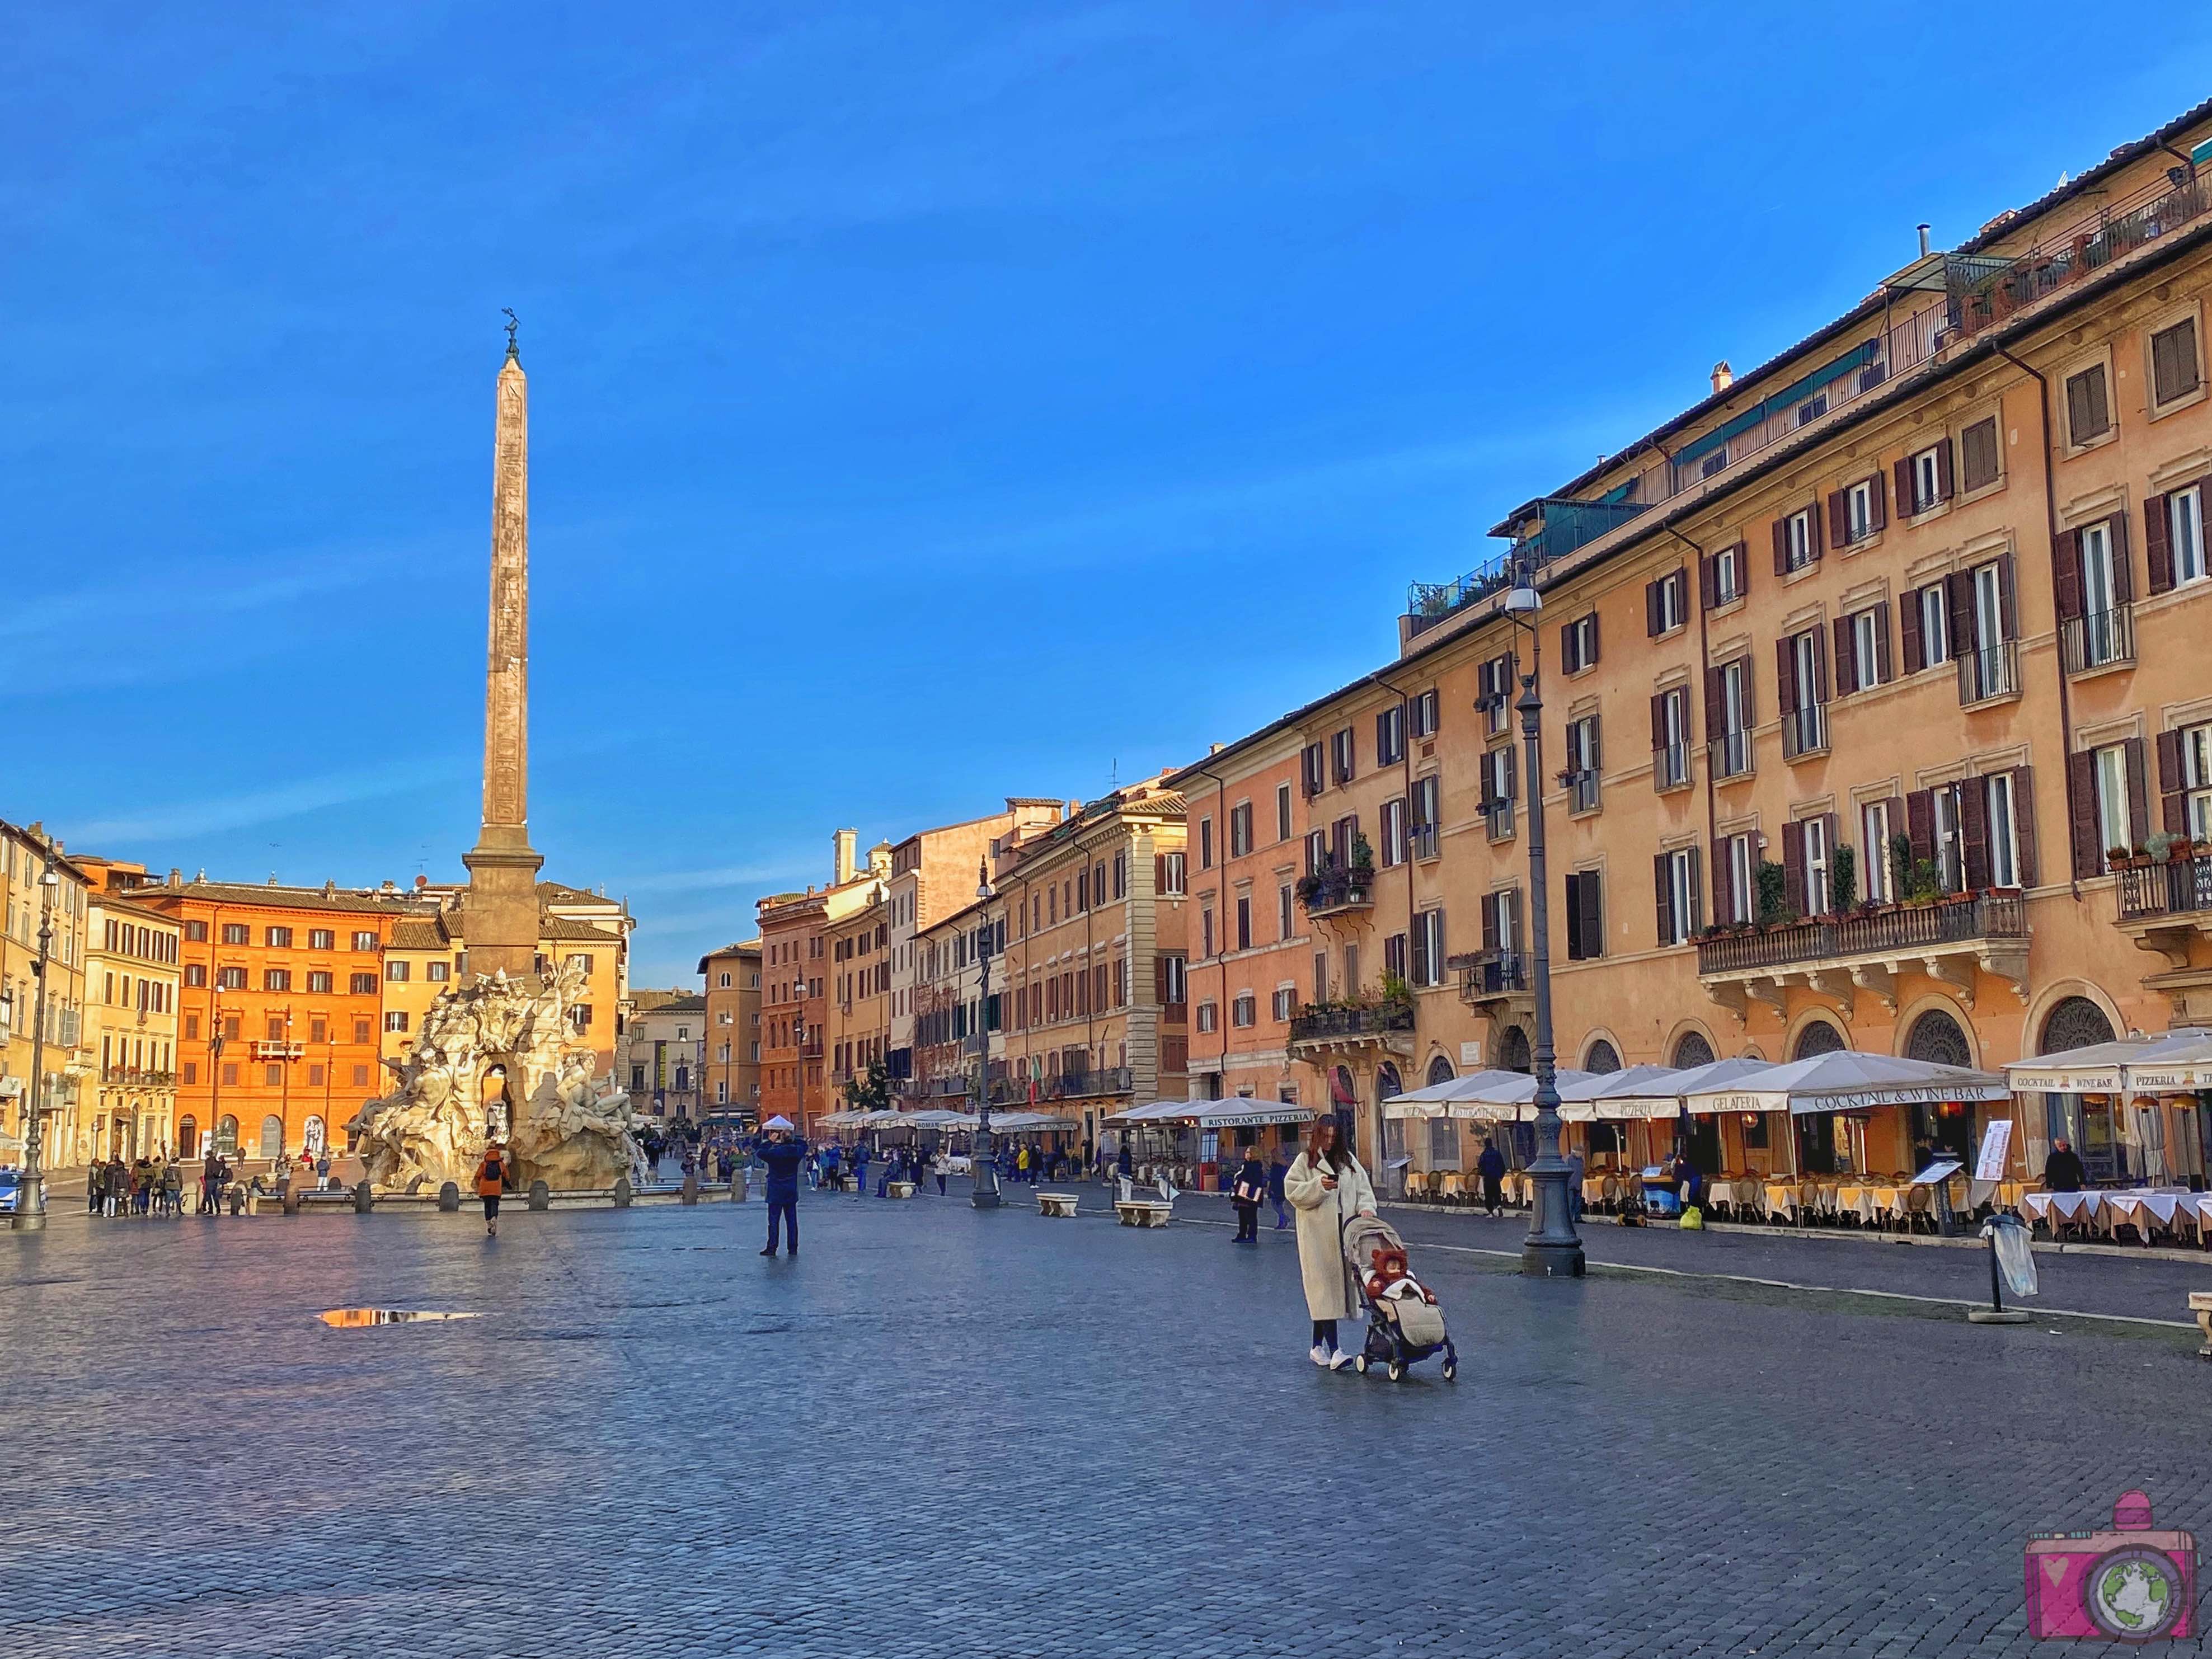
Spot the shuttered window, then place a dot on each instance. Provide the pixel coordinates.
(2173, 371)
(1980, 461)
(2088, 406)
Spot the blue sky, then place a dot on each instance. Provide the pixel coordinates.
(929, 403)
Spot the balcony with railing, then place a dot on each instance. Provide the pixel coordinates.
(1336, 891)
(1731, 754)
(1581, 787)
(2103, 639)
(1493, 981)
(1670, 766)
(2181, 886)
(137, 1075)
(1841, 956)
(1805, 732)
(1498, 817)
(1424, 841)
(1339, 1025)
(1989, 673)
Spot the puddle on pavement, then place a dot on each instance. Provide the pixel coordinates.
(350, 1319)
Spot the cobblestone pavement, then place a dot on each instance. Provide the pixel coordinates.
(945, 1433)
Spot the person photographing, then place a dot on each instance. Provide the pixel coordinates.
(782, 1153)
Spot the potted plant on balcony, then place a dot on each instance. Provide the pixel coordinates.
(2116, 858)
(2159, 846)
(1310, 889)
(1397, 995)
(1843, 878)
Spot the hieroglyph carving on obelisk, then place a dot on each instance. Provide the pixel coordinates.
(502, 916)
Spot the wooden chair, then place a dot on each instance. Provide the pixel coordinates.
(1453, 1188)
(1417, 1185)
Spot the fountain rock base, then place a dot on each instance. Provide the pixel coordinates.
(500, 1057)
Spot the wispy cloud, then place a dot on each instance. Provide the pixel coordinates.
(285, 801)
(735, 875)
(213, 593)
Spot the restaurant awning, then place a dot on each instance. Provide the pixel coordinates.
(1434, 1099)
(2180, 1059)
(1241, 1112)
(939, 1117)
(1663, 1096)
(1510, 1095)
(1848, 1080)
(843, 1118)
(1021, 1123)
(1627, 1093)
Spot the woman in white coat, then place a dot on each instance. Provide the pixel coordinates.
(1326, 1188)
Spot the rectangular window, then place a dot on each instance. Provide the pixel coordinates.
(1679, 898)
(1742, 880)
(395, 1020)
(1578, 645)
(362, 985)
(1732, 744)
(1285, 1004)
(1665, 604)
(321, 939)
(2173, 363)
(275, 979)
(1313, 761)
(1172, 873)
(1394, 833)
(2185, 534)
(1585, 916)
(1670, 739)
(1428, 947)
(1814, 900)
(2004, 840)
(1799, 548)
(1283, 830)
(230, 1071)
(1582, 764)
(1240, 829)
(1208, 1018)
(2113, 824)
(2088, 408)
(1926, 472)
(232, 979)
(365, 939)
(1980, 461)
(1859, 518)
(1317, 852)
(237, 932)
(1425, 708)
(1950, 841)
(439, 972)
(1243, 924)
(1728, 574)
(1206, 931)
(1244, 1012)
(279, 938)
(1286, 911)
(1867, 641)
(1423, 833)
(1174, 981)
(1390, 736)
(1874, 821)
(397, 971)
(197, 931)
(195, 973)
(1343, 756)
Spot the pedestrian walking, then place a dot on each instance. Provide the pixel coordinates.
(95, 1186)
(491, 1182)
(1327, 1187)
(1490, 1166)
(1575, 1168)
(1276, 1171)
(1246, 1192)
(783, 1155)
(941, 1166)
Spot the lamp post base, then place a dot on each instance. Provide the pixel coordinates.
(1545, 1259)
(986, 1195)
(30, 1215)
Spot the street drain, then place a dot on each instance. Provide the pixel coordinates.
(348, 1319)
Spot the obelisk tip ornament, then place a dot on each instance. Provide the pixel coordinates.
(500, 921)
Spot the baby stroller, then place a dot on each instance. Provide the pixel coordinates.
(1404, 1323)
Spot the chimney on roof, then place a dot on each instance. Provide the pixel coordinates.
(1924, 230)
(844, 845)
(1723, 376)
(1212, 749)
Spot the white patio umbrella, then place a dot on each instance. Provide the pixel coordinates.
(1615, 1095)
(2176, 1059)
(1848, 1080)
(1512, 1096)
(1433, 1099)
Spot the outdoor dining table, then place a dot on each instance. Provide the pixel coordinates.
(2055, 1207)
(1782, 1199)
(1737, 1192)
(1594, 1188)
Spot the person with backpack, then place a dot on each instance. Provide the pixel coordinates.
(491, 1182)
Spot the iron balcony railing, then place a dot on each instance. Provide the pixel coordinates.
(1491, 974)
(1337, 887)
(1988, 288)
(1582, 789)
(1731, 754)
(1987, 673)
(1424, 841)
(2098, 639)
(2000, 914)
(2179, 888)
(1498, 817)
(1670, 765)
(1805, 731)
(1311, 1023)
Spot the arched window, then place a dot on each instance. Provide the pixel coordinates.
(188, 1136)
(1936, 1036)
(225, 1137)
(1818, 1038)
(1386, 1081)
(1602, 1058)
(1440, 1070)
(1513, 1049)
(273, 1136)
(2075, 1022)
(1693, 1050)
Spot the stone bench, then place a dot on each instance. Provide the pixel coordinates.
(2200, 1303)
(1143, 1211)
(899, 1189)
(1055, 1204)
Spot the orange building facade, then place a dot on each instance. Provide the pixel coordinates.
(1867, 720)
(795, 982)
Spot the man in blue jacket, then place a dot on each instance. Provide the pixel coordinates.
(782, 1153)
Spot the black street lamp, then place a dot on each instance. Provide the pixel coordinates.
(30, 1215)
(1552, 1248)
(986, 1193)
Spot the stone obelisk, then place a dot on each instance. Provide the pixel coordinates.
(499, 919)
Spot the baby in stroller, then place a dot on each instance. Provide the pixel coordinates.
(1404, 1323)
